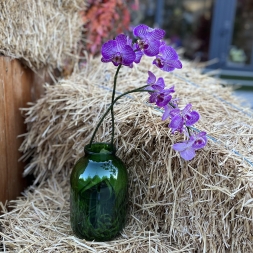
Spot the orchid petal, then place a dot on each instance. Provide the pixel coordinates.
(175, 63)
(121, 41)
(171, 65)
(192, 118)
(162, 101)
(157, 87)
(170, 90)
(174, 112)
(188, 154)
(151, 78)
(187, 109)
(177, 122)
(109, 49)
(167, 68)
(168, 53)
(138, 55)
(128, 55)
(153, 97)
(160, 82)
(181, 146)
(106, 60)
(155, 34)
(166, 113)
(140, 31)
(202, 134)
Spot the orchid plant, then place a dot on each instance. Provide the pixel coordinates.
(125, 51)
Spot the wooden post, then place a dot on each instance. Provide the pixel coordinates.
(16, 90)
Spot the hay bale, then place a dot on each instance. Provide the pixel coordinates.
(40, 222)
(201, 205)
(41, 33)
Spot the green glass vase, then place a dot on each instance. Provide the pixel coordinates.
(98, 195)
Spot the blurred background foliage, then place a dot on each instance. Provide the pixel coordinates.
(104, 20)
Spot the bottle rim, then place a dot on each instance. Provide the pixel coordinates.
(100, 148)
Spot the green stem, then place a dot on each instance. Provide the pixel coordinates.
(109, 108)
(113, 96)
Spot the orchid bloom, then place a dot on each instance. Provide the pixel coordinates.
(118, 51)
(188, 147)
(160, 96)
(167, 59)
(149, 39)
(181, 118)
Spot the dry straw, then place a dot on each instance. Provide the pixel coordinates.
(204, 205)
(41, 33)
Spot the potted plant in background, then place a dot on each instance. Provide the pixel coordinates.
(99, 179)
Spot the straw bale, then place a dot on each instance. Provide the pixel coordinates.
(204, 205)
(40, 33)
(40, 223)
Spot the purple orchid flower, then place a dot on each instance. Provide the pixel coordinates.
(181, 118)
(167, 59)
(188, 147)
(118, 51)
(149, 41)
(160, 96)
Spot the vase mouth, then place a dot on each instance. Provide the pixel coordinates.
(100, 148)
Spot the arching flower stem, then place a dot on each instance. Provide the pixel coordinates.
(140, 89)
(112, 101)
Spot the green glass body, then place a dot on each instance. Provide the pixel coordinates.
(98, 195)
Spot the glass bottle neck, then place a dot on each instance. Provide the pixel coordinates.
(99, 149)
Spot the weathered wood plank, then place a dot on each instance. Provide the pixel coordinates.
(15, 91)
(3, 158)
